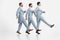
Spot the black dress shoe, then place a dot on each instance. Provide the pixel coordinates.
(37, 32)
(27, 32)
(18, 32)
(52, 25)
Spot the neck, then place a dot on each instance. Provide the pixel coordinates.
(31, 8)
(20, 7)
(38, 6)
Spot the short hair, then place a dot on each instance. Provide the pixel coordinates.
(20, 3)
(38, 3)
(30, 4)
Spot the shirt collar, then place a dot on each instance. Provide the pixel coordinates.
(21, 8)
(30, 8)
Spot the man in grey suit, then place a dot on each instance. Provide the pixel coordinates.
(39, 18)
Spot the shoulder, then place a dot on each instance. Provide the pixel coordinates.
(18, 8)
(36, 9)
(28, 9)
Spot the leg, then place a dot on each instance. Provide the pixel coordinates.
(35, 27)
(29, 22)
(34, 24)
(24, 22)
(45, 22)
(38, 22)
(19, 27)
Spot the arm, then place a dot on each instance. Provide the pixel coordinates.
(43, 11)
(35, 13)
(17, 13)
(26, 15)
(24, 11)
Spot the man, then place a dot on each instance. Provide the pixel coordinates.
(39, 18)
(19, 15)
(30, 19)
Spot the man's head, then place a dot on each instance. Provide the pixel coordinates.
(30, 5)
(21, 4)
(38, 4)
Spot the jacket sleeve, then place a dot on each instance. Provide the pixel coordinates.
(26, 14)
(17, 13)
(42, 11)
(35, 13)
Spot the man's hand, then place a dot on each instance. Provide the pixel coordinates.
(24, 11)
(43, 11)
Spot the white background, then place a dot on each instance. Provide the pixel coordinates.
(9, 25)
